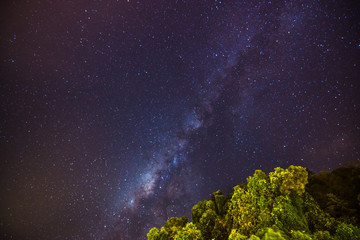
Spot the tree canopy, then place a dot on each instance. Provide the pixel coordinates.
(284, 204)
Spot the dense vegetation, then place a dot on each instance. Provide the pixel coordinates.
(284, 204)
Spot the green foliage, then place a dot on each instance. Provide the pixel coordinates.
(337, 192)
(273, 199)
(253, 237)
(322, 235)
(273, 235)
(347, 232)
(291, 180)
(174, 224)
(250, 208)
(197, 211)
(300, 235)
(207, 222)
(153, 234)
(200, 208)
(189, 232)
(235, 235)
(169, 230)
(278, 205)
(219, 199)
(204, 217)
(220, 230)
(288, 214)
(208, 217)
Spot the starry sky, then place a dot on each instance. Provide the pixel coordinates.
(118, 114)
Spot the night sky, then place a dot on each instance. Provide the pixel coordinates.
(117, 115)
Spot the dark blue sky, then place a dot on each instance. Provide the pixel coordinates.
(116, 115)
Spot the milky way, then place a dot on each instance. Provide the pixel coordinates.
(117, 115)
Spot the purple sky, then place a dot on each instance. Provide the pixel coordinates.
(116, 115)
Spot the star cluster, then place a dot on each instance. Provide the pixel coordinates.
(118, 114)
